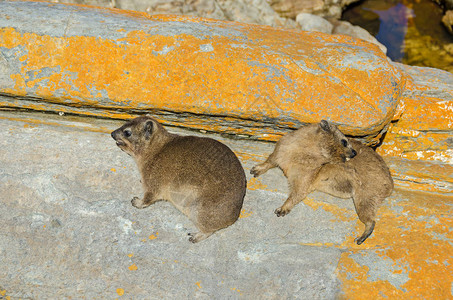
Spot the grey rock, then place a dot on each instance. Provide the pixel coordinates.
(447, 20)
(325, 8)
(346, 28)
(311, 22)
(68, 229)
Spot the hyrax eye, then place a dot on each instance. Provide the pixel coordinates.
(127, 133)
(344, 142)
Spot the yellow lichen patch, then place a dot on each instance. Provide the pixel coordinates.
(255, 184)
(439, 155)
(153, 236)
(413, 236)
(133, 267)
(341, 214)
(244, 214)
(198, 284)
(416, 145)
(424, 129)
(249, 156)
(120, 292)
(356, 284)
(318, 244)
(426, 113)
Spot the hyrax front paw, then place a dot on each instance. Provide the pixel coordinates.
(281, 212)
(257, 170)
(199, 236)
(137, 202)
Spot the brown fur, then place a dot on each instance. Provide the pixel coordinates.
(200, 176)
(315, 157)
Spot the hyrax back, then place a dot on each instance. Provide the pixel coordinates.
(202, 177)
(320, 157)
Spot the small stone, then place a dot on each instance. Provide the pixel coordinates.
(309, 22)
(447, 20)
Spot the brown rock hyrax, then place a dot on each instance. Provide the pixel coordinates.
(201, 177)
(319, 157)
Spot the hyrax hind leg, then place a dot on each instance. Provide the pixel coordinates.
(366, 209)
(212, 215)
(265, 166)
(299, 185)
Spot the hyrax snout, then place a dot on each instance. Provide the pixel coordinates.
(319, 157)
(201, 177)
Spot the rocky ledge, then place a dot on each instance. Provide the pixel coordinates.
(244, 80)
(68, 229)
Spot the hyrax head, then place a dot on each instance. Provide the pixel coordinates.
(335, 145)
(134, 136)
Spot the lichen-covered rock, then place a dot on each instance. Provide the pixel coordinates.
(192, 72)
(424, 130)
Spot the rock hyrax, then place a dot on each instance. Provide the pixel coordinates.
(201, 177)
(319, 157)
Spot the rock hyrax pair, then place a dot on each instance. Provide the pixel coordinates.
(319, 157)
(201, 177)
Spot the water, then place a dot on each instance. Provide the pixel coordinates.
(410, 29)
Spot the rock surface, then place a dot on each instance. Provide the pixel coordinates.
(250, 79)
(309, 22)
(346, 28)
(253, 12)
(68, 230)
(424, 129)
(325, 8)
(276, 13)
(447, 20)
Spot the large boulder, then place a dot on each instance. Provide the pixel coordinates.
(192, 72)
(424, 129)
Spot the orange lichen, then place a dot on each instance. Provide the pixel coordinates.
(255, 184)
(134, 72)
(341, 214)
(153, 236)
(417, 241)
(120, 292)
(244, 214)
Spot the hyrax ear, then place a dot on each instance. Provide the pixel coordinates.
(325, 125)
(149, 125)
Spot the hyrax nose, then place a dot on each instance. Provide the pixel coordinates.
(113, 134)
(354, 153)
